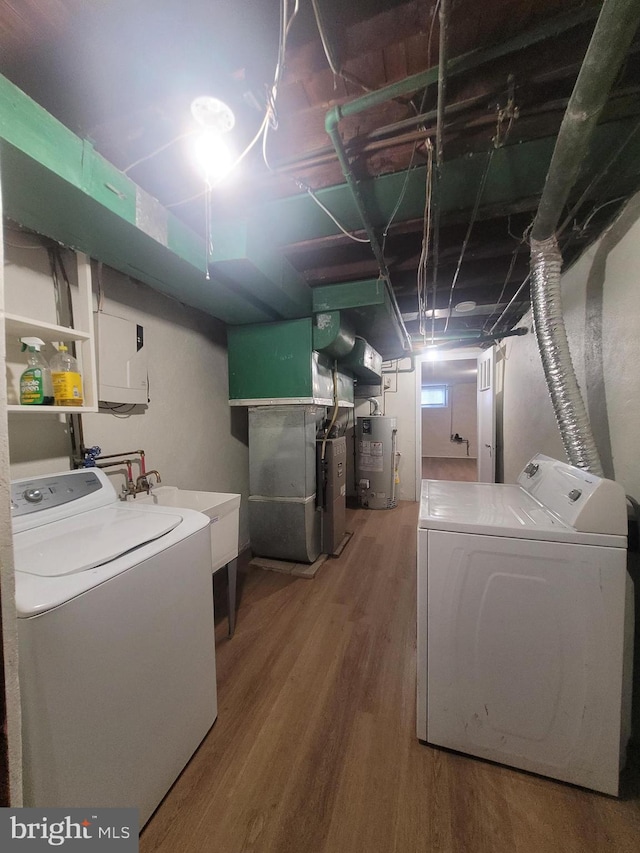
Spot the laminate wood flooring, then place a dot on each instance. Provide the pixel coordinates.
(440, 468)
(315, 751)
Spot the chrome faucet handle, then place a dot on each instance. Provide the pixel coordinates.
(142, 484)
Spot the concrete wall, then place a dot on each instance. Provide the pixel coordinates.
(189, 432)
(600, 296)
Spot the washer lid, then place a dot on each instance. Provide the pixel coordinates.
(497, 509)
(87, 540)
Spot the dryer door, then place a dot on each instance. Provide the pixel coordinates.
(525, 646)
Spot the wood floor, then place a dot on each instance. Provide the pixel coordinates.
(314, 750)
(439, 468)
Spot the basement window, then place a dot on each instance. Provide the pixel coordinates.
(434, 396)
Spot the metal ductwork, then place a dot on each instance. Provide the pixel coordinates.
(607, 49)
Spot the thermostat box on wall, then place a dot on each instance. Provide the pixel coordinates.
(121, 360)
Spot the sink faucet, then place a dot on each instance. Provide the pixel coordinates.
(143, 484)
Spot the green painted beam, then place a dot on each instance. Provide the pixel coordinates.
(351, 294)
(517, 172)
(56, 184)
(242, 254)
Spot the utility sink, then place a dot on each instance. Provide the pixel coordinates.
(223, 509)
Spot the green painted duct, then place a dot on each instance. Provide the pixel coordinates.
(244, 256)
(366, 306)
(332, 334)
(364, 362)
(56, 184)
(274, 363)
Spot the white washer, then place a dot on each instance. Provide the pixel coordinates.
(116, 642)
(525, 622)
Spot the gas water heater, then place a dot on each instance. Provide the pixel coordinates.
(376, 462)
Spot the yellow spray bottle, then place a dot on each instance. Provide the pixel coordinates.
(67, 382)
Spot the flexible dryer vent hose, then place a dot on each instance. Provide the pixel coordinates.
(568, 405)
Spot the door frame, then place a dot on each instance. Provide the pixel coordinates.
(447, 355)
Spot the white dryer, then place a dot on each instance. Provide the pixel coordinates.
(525, 622)
(116, 642)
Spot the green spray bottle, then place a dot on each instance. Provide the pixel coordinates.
(36, 388)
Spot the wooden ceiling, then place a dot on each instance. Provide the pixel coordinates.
(124, 74)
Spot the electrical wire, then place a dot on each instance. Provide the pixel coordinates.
(403, 190)
(506, 280)
(20, 246)
(311, 193)
(158, 150)
(337, 72)
(472, 221)
(595, 210)
(272, 94)
(424, 252)
(335, 410)
(512, 300)
(427, 228)
(596, 180)
(236, 162)
(269, 115)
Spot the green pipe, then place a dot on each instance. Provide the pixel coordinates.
(419, 81)
(612, 36)
(468, 335)
(442, 78)
(460, 64)
(445, 336)
(368, 227)
(452, 339)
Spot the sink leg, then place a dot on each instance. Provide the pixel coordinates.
(231, 594)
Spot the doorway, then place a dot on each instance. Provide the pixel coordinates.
(448, 418)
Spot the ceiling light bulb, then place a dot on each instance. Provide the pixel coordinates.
(465, 307)
(212, 114)
(212, 156)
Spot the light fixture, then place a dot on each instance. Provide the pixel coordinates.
(432, 353)
(211, 153)
(212, 156)
(212, 114)
(465, 307)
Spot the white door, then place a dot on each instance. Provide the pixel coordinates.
(486, 417)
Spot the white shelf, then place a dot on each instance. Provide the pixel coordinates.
(23, 327)
(18, 326)
(53, 410)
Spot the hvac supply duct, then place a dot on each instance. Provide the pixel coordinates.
(614, 30)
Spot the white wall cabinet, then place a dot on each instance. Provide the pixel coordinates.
(18, 326)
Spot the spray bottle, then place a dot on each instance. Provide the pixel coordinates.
(36, 388)
(67, 382)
